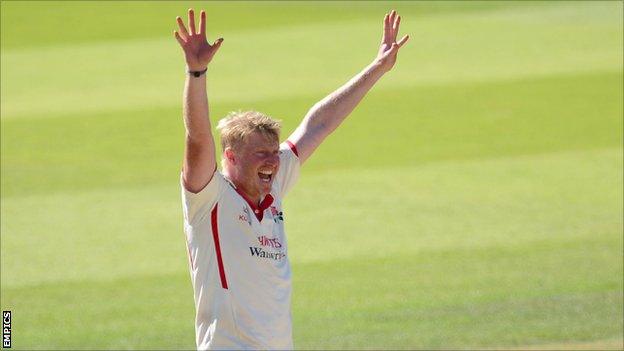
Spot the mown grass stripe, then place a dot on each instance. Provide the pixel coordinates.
(118, 19)
(544, 199)
(500, 45)
(407, 316)
(144, 147)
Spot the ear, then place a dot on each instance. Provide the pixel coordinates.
(230, 156)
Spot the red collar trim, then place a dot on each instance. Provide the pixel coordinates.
(257, 210)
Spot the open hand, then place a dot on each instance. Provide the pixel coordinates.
(389, 47)
(197, 51)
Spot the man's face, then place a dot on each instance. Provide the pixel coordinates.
(256, 161)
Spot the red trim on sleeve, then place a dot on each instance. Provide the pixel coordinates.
(215, 236)
(292, 147)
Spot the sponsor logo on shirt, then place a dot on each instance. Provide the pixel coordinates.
(274, 242)
(265, 243)
(262, 253)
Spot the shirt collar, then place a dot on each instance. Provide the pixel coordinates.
(257, 210)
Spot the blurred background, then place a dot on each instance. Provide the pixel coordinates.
(472, 200)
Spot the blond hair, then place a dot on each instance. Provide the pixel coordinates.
(238, 125)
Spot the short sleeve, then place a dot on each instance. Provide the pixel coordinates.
(196, 205)
(288, 172)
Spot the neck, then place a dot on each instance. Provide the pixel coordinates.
(255, 198)
(241, 189)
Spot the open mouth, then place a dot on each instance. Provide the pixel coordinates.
(265, 176)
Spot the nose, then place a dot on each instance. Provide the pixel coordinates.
(273, 160)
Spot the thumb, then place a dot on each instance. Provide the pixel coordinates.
(393, 49)
(217, 43)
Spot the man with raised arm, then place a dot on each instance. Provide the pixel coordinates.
(233, 218)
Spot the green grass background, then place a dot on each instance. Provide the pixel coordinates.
(473, 200)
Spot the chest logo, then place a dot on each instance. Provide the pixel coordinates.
(277, 215)
(245, 217)
(261, 253)
(269, 242)
(270, 248)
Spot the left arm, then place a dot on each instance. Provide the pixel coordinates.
(326, 115)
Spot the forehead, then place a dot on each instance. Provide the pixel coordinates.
(257, 140)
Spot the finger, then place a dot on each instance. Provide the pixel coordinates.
(183, 33)
(386, 28)
(191, 21)
(403, 40)
(395, 47)
(395, 25)
(216, 45)
(178, 38)
(385, 22)
(202, 23)
(392, 15)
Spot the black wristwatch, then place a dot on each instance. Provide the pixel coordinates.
(197, 73)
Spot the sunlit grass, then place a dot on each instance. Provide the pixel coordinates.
(473, 200)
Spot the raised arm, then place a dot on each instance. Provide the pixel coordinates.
(326, 115)
(199, 153)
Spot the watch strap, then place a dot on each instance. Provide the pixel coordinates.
(197, 73)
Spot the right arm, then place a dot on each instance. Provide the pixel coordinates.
(199, 162)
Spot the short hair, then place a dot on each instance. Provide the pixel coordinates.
(238, 125)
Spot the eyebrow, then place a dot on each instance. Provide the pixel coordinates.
(262, 149)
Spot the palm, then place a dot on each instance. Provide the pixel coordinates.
(389, 47)
(197, 51)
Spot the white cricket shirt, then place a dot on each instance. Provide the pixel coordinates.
(239, 262)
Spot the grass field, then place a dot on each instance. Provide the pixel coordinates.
(473, 200)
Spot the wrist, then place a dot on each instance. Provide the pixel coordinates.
(196, 72)
(379, 65)
(195, 68)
